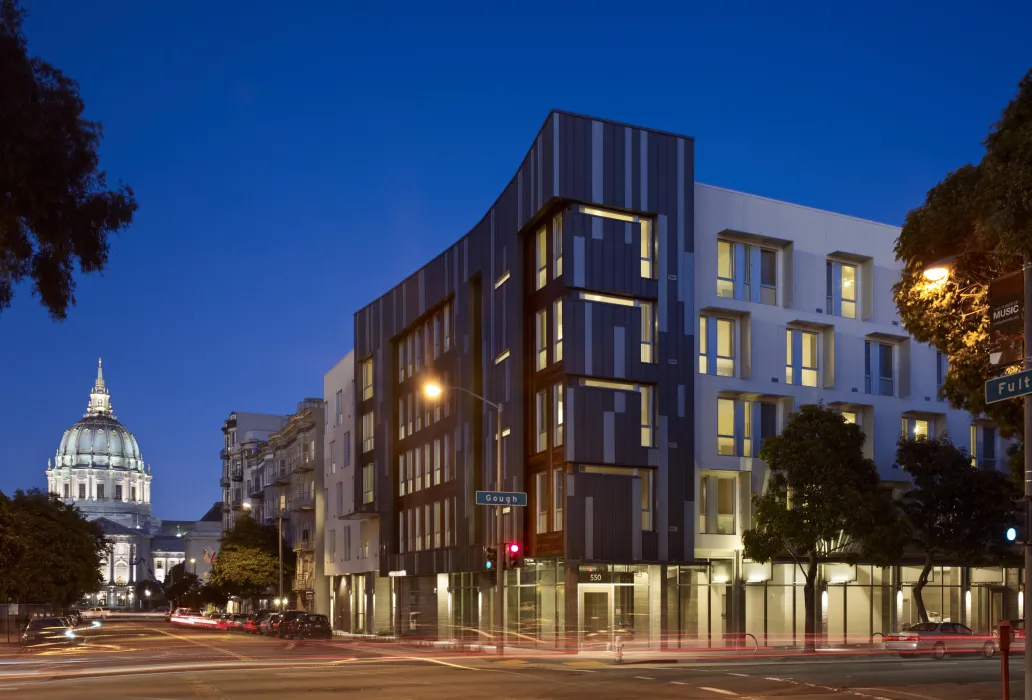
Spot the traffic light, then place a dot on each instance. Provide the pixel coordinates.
(513, 555)
(490, 558)
(1017, 531)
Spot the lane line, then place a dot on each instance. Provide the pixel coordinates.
(717, 690)
(740, 675)
(206, 645)
(645, 678)
(438, 661)
(678, 682)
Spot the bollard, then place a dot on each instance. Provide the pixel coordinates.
(1005, 640)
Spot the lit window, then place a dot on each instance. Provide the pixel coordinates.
(437, 462)
(401, 362)
(646, 416)
(447, 458)
(410, 463)
(557, 330)
(541, 338)
(648, 333)
(646, 498)
(801, 365)
(502, 280)
(606, 214)
(725, 427)
(437, 335)
(983, 447)
(410, 353)
(557, 408)
(401, 419)
(849, 417)
(426, 465)
(447, 523)
(541, 257)
(367, 432)
(437, 524)
(502, 357)
(918, 428)
(842, 288)
(647, 249)
(768, 277)
(368, 477)
(725, 270)
(608, 384)
(540, 424)
(401, 475)
(419, 531)
(557, 246)
(340, 408)
(557, 499)
(419, 468)
(541, 498)
(426, 521)
(607, 299)
(367, 379)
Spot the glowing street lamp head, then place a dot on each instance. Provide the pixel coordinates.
(246, 505)
(936, 273)
(433, 389)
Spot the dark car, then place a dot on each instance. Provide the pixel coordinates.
(308, 626)
(283, 627)
(48, 630)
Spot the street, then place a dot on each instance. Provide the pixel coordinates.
(151, 661)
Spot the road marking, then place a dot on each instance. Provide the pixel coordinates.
(771, 678)
(438, 661)
(740, 675)
(717, 690)
(206, 645)
(510, 662)
(645, 678)
(678, 682)
(583, 663)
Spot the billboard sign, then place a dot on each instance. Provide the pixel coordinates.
(1006, 323)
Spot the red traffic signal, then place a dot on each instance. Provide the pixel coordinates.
(514, 548)
(514, 558)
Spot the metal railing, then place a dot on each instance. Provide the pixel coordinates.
(237, 474)
(303, 582)
(302, 501)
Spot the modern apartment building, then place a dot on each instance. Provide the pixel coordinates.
(360, 599)
(242, 433)
(642, 334)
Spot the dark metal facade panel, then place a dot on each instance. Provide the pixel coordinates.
(550, 172)
(611, 511)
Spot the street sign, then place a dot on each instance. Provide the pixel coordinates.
(504, 498)
(1008, 386)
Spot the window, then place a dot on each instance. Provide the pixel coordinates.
(725, 270)
(557, 330)
(368, 471)
(410, 425)
(419, 531)
(918, 428)
(401, 362)
(437, 462)
(333, 457)
(557, 414)
(849, 417)
(801, 353)
(558, 480)
(340, 407)
(647, 249)
(66, 491)
(447, 326)
(646, 416)
(426, 466)
(410, 354)
(721, 521)
(557, 246)
(941, 366)
(367, 380)
(417, 410)
(82, 491)
(401, 475)
(878, 368)
(983, 447)
(541, 499)
(648, 333)
(716, 346)
(842, 283)
(447, 458)
(347, 449)
(419, 468)
(725, 427)
(100, 491)
(412, 538)
(540, 424)
(502, 280)
(409, 476)
(437, 335)
(367, 432)
(447, 523)
(426, 524)
(437, 524)
(541, 257)
(541, 338)
(340, 497)
(333, 542)
(733, 258)
(118, 492)
(502, 357)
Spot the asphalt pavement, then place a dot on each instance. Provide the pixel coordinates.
(155, 662)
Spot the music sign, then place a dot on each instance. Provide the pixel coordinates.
(1006, 322)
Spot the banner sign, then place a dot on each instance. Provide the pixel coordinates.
(1006, 322)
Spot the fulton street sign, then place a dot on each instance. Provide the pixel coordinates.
(1008, 386)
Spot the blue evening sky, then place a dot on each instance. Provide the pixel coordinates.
(293, 161)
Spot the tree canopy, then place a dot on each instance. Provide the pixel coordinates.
(49, 553)
(823, 501)
(955, 512)
(980, 215)
(56, 210)
(248, 560)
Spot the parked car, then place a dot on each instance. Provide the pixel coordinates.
(938, 639)
(268, 624)
(96, 614)
(48, 630)
(283, 627)
(222, 620)
(308, 626)
(250, 625)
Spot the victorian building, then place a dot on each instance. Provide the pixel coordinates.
(99, 469)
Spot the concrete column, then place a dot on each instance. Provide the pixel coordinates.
(572, 605)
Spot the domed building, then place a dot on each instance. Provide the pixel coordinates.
(99, 469)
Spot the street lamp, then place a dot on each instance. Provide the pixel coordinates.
(434, 390)
(193, 563)
(941, 270)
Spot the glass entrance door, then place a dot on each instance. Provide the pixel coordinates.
(596, 615)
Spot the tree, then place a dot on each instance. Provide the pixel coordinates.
(954, 511)
(248, 560)
(181, 586)
(55, 209)
(49, 553)
(980, 215)
(823, 502)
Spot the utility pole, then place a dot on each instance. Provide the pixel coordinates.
(500, 555)
(279, 520)
(1026, 311)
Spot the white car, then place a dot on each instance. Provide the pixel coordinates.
(96, 614)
